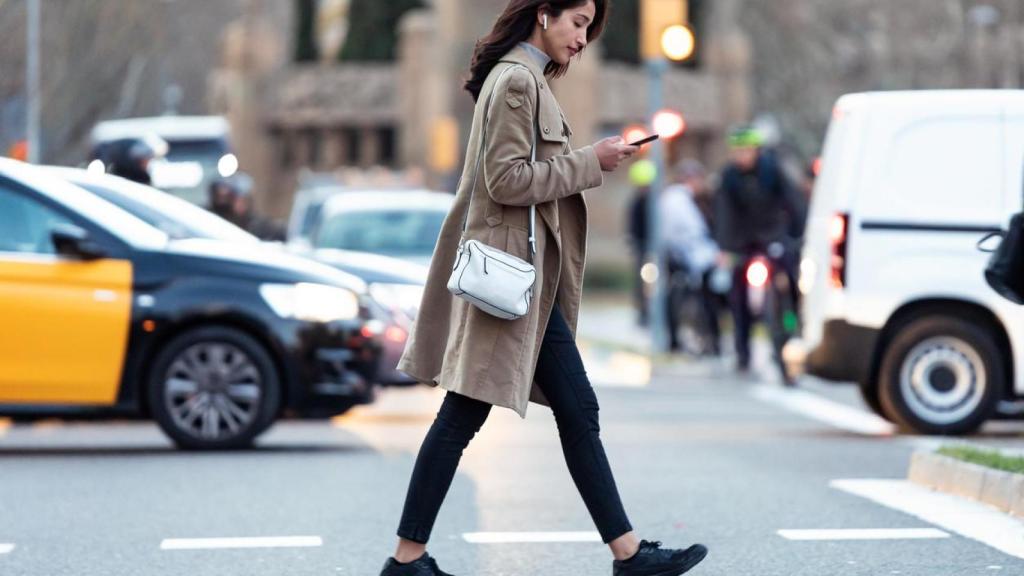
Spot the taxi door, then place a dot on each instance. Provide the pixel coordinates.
(63, 320)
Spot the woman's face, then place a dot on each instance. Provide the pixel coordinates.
(566, 35)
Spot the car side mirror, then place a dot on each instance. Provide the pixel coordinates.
(74, 242)
(990, 242)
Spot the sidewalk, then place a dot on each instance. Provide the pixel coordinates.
(609, 320)
(615, 350)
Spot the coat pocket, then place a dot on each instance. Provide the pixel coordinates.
(552, 127)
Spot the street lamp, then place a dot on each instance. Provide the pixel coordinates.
(663, 35)
(32, 81)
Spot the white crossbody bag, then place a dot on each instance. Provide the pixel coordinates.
(493, 280)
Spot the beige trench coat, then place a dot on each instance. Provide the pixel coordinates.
(453, 344)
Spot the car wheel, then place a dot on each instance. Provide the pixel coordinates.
(213, 388)
(941, 375)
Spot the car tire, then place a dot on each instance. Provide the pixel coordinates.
(941, 375)
(213, 388)
(869, 394)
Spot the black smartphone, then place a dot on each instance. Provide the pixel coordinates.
(644, 140)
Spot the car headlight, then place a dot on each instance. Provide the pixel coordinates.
(311, 302)
(404, 297)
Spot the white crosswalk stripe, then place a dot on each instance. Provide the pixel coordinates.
(233, 543)
(864, 534)
(960, 516)
(529, 537)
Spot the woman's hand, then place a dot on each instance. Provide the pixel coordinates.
(612, 151)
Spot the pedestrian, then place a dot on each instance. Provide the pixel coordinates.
(482, 360)
(690, 251)
(231, 199)
(641, 175)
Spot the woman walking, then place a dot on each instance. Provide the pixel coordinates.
(519, 156)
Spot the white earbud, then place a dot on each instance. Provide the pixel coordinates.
(545, 21)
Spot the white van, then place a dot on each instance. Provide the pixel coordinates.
(894, 293)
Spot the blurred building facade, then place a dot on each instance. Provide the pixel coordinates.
(325, 115)
(104, 59)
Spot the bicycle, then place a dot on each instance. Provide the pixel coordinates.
(773, 296)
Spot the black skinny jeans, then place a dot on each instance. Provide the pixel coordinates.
(562, 378)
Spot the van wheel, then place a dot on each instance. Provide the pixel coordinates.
(941, 375)
(869, 394)
(213, 388)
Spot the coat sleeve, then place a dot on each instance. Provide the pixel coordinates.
(511, 178)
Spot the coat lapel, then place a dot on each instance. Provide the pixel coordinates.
(548, 211)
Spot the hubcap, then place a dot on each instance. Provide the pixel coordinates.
(212, 391)
(943, 380)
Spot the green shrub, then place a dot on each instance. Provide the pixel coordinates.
(987, 458)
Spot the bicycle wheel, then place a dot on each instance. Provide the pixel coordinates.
(782, 320)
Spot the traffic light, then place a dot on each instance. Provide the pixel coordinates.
(657, 16)
(678, 42)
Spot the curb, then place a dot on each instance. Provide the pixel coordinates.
(1003, 490)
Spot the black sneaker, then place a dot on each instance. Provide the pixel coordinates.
(423, 566)
(653, 560)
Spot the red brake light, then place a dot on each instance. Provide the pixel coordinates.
(757, 273)
(395, 334)
(838, 229)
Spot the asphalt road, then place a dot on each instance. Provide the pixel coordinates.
(699, 454)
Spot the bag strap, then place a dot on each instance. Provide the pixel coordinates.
(479, 159)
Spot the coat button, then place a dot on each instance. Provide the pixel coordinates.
(546, 130)
(541, 85)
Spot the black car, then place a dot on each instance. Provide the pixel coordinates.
(394, 287)
(104, 313)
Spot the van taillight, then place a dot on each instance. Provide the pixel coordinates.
(838, 234)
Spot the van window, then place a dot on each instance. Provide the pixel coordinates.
(941, 170)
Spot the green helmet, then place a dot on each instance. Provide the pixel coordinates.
(642, 173)
(745, 137)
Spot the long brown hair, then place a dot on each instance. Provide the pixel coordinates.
(515, 25)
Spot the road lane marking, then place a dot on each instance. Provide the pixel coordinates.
(823, 410)
(529, 537)
(964, 517)
(864, 534)
(229, 543)
(6, 548)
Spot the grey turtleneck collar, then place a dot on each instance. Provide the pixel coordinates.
(537, 54)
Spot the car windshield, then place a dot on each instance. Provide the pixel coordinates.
(177, 218)
(395, 232)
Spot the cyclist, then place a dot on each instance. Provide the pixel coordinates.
(131, 157)
(756, 205)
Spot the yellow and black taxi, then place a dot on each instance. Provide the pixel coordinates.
(102, 313)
